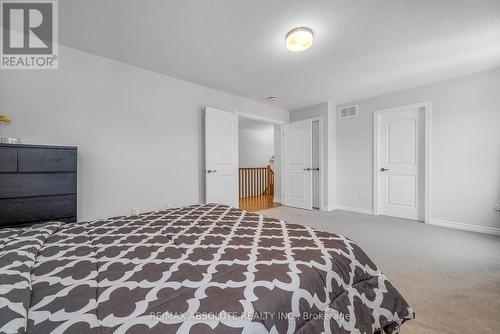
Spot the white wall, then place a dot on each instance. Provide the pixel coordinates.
(139, 134)
(327, 112)
(332, 156)
(465, 148)
(256, 147)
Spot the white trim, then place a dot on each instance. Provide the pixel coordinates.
(236, 151)
(284, 128)
(428, 141)
(282, 162)
(331, 208)
(428, 155)
(465, 227)
(259, 118)
(353, 209)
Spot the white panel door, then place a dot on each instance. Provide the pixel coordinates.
(221, 157)
(401, 163)
(298, 164)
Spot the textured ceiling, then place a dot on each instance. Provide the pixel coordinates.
(362, 47)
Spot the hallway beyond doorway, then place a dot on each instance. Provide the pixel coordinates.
(256, 203)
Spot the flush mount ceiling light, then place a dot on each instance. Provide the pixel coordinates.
(299, 39)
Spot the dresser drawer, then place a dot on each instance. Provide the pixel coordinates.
(8, 159)
(36, 184)
(34, 209)
(46, 160)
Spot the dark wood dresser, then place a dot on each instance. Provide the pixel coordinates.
(37, 183)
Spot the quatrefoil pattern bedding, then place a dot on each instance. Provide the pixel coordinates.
(198, 269)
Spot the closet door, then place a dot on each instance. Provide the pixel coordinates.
(298, 164)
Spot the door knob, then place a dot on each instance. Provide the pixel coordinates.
(211, 171)
(307, 169)
(316, 169)
(383, 169)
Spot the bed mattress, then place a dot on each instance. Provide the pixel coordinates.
(197, 269)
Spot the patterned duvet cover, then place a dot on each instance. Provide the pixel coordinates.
(198, 269)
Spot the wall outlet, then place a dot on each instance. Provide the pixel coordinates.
(134, 211)
(497, 208)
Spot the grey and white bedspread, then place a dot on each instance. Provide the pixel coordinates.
(198, 269)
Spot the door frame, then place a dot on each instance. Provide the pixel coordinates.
(427, 155)
(281, 124)
(321, 162)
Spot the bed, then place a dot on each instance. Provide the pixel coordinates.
(197, 269)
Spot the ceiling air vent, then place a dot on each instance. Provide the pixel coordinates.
(348, 112)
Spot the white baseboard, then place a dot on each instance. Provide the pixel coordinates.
(277, 199)
(436, 222)
(465, 227)
(353, 209)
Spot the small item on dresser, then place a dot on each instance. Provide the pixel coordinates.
(10, 140)
(5, 119)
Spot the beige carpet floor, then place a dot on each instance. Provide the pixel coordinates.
(451, 278)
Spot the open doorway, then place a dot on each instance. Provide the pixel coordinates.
(224, 183)
(259, 164)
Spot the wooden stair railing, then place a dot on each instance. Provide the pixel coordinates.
(256, 181)
(270, 187)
